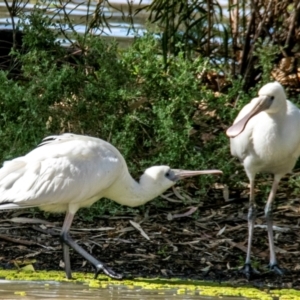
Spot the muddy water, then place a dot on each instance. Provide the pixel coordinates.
(35, 290)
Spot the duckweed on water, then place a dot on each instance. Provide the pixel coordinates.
(191, 287)
(21, 293)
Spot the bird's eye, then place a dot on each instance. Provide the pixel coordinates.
(272, 98)
(168, 174)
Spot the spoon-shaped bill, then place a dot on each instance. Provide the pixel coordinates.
(263, 103)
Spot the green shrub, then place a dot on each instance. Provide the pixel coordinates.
(153, 114)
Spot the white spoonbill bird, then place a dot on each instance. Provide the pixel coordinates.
(67, 172)
(265, 136)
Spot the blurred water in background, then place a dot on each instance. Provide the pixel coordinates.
(117, 16)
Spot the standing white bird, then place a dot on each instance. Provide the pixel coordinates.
(265, 136)
(69, 171)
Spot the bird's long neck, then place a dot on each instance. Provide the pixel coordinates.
(129, 192)
(278, 118)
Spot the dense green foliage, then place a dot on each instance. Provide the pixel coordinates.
(155, 109)
(124, 96)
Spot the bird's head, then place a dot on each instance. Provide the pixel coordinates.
(160, 178)
(271, 99)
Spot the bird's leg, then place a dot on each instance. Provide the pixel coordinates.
(66, 253)
(269, 219)
(69, 242)
(247, 269)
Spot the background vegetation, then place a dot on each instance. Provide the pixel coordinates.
(166, 99)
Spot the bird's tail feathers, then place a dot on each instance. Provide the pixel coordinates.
(12, 206)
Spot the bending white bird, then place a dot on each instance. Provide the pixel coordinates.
(71, 171)
(265, 137)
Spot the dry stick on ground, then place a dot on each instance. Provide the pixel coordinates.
(17, 241)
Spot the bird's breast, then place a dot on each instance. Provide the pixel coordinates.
(270, 146)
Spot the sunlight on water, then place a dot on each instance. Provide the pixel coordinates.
(78, 10)
(33, 290)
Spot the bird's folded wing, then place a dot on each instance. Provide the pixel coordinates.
(71, 171)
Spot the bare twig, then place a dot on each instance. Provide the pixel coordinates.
(292, 27)
(11, 11)
(17, 241)
(256, 36)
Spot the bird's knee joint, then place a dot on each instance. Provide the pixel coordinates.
(268, 212)
(251, 213)
(64, 237)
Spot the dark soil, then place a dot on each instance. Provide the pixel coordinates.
(205, 240)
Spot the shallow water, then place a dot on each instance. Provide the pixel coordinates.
(33, 290)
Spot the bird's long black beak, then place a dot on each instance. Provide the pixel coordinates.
(180, 174)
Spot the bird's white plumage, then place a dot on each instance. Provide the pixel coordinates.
(265, 137)
(270, 141)
(71, 169)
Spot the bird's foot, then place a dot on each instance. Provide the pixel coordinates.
(108, 271)
(248, 271)
(277, 270)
